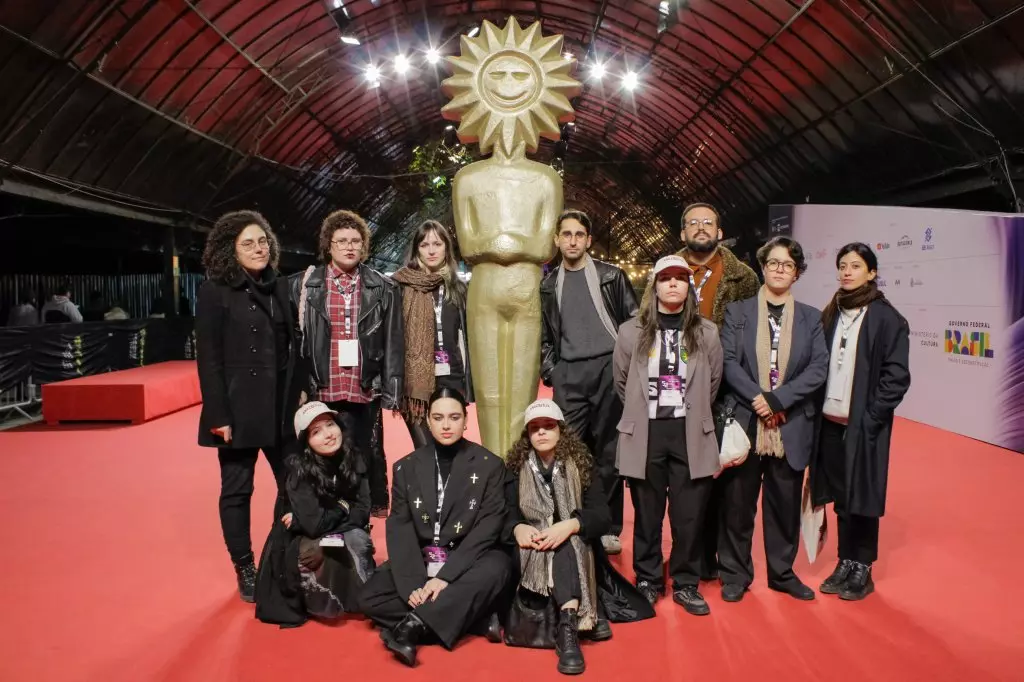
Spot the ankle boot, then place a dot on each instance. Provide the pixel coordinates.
(567, 644)
(835, 582)
(402, 641)
(859, 584)
(245, 572)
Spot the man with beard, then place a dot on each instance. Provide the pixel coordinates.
(718, 279)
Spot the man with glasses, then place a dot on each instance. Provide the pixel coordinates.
(583, 302)
(353, 343)
(718, 279)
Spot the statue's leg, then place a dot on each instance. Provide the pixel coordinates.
(524, 340)
(483, 319)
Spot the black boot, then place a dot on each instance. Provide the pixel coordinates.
(245, 571)
(567, 644)
(403, 639)
(488, 627)
(601, 632)
(834, 583)
(859, 584)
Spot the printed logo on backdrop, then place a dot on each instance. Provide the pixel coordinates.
(822, 253)
(928, 339)
(881, 246)
(881, 282)
(904, 242)
(916, 282)
(969, 343)
(929, 243)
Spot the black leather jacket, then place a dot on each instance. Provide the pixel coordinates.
(619, 301)
(381, 332)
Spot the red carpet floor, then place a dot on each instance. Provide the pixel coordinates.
(114, 569)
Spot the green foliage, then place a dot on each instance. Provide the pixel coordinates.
(432, 169)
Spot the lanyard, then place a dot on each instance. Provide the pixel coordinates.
(670, 348)
(846, 333)
(441, 487)
(773, 372)
(347, 297)
(698, 288)
(545, 486)
(437, 316)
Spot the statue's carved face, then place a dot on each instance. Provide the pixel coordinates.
(510, 82)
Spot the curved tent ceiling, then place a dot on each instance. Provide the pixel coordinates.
(187, 108)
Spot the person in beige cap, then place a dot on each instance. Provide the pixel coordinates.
(668, 367)
(557, 514)
(318, 554)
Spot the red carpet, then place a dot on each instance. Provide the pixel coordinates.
(133, 395)
(114, 569)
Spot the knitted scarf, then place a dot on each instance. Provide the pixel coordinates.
(850, 300)
(538, 508)
(418, 287)
(769, 440)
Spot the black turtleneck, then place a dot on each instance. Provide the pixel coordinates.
(670, 320)
(445, 457)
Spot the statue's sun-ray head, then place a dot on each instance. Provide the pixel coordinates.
(511, 86)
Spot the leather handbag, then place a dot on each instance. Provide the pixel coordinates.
(530, 627)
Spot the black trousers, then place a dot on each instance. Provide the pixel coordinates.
(457, 608)
(668, 479)
(858, 535)
(780, 519)
(565, 578)
(585, 390)
(237, 472)
(419, 432)
(369, 438)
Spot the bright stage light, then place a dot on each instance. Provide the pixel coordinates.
(473, 31)
(630, 81)
(350, 40)
(401, 64)
(597, 71)
(433, 56)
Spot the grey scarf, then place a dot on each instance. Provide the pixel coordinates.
(538, 508)
(595, 292)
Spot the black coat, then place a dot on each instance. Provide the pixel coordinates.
(239, 369)
(619, 302)
(380, 327)
(472, 519)
(881, 377)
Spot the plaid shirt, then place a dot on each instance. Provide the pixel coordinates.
(343, 382)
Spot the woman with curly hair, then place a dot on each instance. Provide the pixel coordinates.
(244, 352)
(557, 515)
(318, 554)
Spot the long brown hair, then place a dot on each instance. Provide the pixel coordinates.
(859, 297)
(569, 448)
(648, 319)
(454, 288)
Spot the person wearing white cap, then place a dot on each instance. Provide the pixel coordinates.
(668, 368)
(318, 554)
(557, 515)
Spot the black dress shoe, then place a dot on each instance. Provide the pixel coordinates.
(403, 639)
(650, 592)
(795, 589)
(690, 599)
(601, 632)
(733, 592)
(245, 572)
(489, 628)
(859, 583)
(567, 644)
(834, 583)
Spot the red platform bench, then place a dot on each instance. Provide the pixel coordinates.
(130, 395)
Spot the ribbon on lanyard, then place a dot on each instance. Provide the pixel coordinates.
(698, 288)
(846, 333)
(441, 487)
(669, 349)
(437, 317)
(773, 372)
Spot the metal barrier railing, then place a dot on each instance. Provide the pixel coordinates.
(21, 403)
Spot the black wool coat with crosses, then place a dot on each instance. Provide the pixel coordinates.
(472, 518)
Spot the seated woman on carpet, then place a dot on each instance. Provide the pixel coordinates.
(557, 515)
(318, 554)
(447, 566)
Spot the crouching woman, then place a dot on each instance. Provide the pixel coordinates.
(318, 555)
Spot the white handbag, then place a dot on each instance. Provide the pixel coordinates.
(735, 445)
(813, 524)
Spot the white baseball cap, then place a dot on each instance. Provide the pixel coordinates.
(543, 409)
(305, 415)
(669, 262)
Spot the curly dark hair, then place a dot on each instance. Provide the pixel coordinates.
(569, 447)
(219, 257)
(796, 252)
(343, 220)
(311, 468)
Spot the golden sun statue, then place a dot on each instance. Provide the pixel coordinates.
(510, 88)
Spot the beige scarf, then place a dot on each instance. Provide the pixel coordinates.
(418, 291)
(538, 508)
(769, 440)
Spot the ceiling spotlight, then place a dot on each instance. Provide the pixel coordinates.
(449, 127)
(338, 4)
(630, 80)
(569, 56)
(473, 31)
(350, 40)
(597, 70)
(433, 56)
(401, 64)
(373, 74)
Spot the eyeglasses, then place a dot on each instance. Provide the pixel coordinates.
(694, 222)
(786, 266)
(342, 243)
(248, 246)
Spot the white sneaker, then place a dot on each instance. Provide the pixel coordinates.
(611, 544)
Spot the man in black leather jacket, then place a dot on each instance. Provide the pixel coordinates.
(352, 339)
(583, 302)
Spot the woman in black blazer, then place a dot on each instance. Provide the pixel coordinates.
(244, 342)
(775, 360)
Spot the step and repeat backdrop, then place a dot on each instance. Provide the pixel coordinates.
(958, 278)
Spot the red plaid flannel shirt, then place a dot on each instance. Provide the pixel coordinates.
(343, 382)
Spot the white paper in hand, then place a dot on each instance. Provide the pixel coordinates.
(813, 525)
